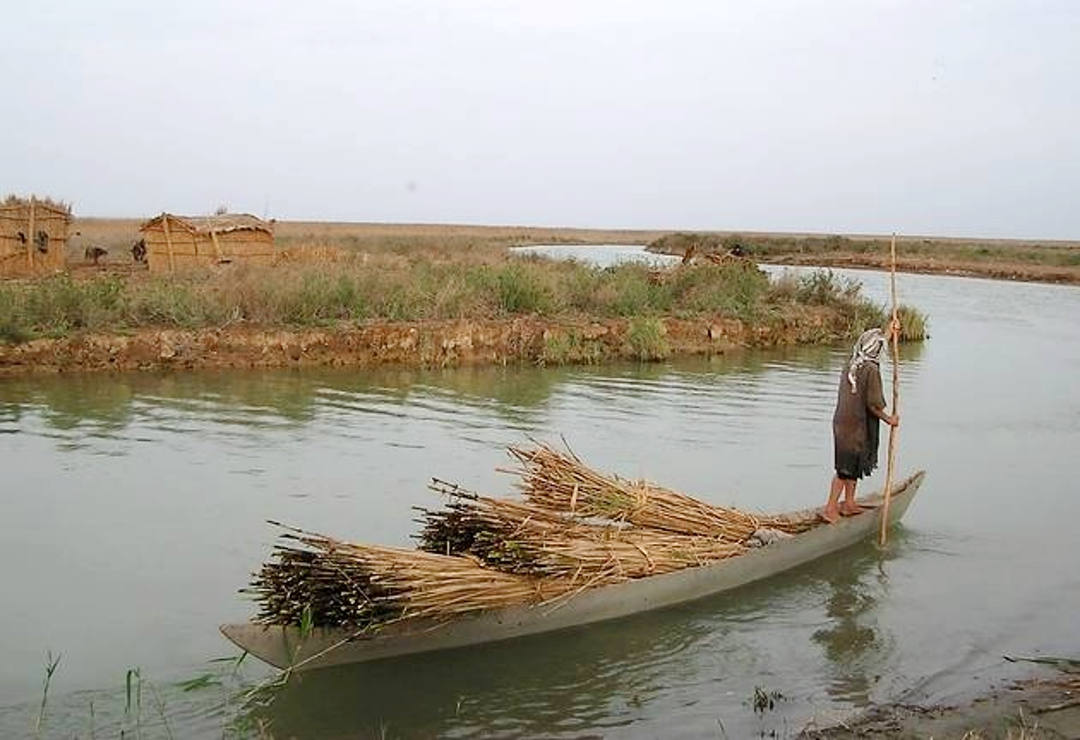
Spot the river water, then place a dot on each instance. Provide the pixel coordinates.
(133, 507)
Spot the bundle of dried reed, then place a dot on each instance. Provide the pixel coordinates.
(364, 586)
(576, 529)
(561, 482)
(521, 537)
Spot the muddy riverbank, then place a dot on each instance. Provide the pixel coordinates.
(443, 343)
(1045, 705)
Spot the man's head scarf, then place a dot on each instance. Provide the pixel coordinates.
(866, 349)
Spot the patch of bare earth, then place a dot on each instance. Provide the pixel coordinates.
(1042, 708)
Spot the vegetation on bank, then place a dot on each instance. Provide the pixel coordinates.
(390, 287)
(776, 247)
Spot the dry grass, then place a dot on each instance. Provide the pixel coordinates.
(1013, 259)
(428, 241)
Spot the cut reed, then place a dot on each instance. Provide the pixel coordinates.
(561, 482)
(521, 537)
(365, 586)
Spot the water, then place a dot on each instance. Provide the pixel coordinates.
(602, 255)
(133, 509)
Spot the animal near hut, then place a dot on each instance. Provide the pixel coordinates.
(184, 242)
(33, 235)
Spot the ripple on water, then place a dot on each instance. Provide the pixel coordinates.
(158, 541)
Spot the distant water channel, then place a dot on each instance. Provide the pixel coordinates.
(133, 508)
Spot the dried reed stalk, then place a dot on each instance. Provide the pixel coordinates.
(561, 482)
(521, 537)
(347, 584)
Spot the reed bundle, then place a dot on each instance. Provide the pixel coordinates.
(561, 482)
(575, 529)
(366, 586)
(519, 537)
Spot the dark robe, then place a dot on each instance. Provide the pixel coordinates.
(855, 428)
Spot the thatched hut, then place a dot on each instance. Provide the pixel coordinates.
(182, 242)
(33, 235)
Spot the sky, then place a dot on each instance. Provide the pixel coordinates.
(942, 117)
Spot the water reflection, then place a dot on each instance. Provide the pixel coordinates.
(106, 404)
(617, 677)
(854, 644)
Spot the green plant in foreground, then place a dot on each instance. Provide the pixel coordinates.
(51, 664)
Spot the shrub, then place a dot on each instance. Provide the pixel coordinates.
(520, 290)
(647, 338)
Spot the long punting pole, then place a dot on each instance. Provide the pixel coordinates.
(891, 462)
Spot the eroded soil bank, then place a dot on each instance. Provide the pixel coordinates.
(531, 340)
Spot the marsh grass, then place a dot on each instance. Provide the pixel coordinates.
(914, 324)
(826, 288)
(778, 246)
(392, 288)
(646, 336)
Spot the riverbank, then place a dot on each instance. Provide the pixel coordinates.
(1044, 706)
(1007, 270)
(1000, 259)
(331, 308)
(522, 340)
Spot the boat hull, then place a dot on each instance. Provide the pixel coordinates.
(283, 647)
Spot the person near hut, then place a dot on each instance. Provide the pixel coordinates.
(860, 407)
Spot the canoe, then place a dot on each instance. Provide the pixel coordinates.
(284, 647)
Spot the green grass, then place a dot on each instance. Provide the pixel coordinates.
(913, 323)
(397, 289)
(646, 336)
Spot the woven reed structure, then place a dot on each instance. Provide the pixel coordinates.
(182, 242)
(33, 235)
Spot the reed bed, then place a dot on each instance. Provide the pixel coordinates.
(562, 482)
(521, 537)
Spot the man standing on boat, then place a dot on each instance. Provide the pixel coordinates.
(859, 407)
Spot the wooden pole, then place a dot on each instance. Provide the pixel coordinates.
(891, 461)
(217, 245)
(168, 241)
(30, 238)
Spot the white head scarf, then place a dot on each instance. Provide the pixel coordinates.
(867, 348)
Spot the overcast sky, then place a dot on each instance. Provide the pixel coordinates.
(939, 117)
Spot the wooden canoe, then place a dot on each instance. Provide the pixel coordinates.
(283, 647)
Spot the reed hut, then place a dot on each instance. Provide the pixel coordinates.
(183, 242)
(33, 235)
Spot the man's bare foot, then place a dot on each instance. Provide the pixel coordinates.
(851, 510)
(829, 517)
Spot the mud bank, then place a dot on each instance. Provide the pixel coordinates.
(1029, 273)
(418, 344)
(1044, 706)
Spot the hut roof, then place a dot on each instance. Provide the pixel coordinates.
(220, 224)
(14, 201)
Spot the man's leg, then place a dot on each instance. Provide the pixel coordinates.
(832, 511)
(849, 507)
